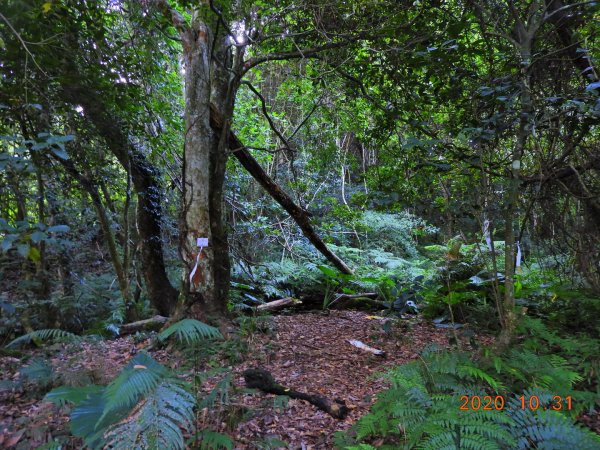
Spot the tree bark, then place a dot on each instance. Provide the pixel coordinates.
(213, 67)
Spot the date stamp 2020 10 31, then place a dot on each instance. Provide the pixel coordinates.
(498, 403)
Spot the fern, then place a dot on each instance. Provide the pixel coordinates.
(211, 440)
(74, 395)
(144, 407)
(157, 423)
(547, 429)
(38, 371)
(39, 336)
(219, 394)
(422, 407)
(141, 376)
(190, 331)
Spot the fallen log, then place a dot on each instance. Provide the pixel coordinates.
(152, 324)
(276, 305)
(263, 380)
(365, 347)
(343, 301)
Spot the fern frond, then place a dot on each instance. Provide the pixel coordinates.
(190, 331)
(211, 440)
(547, 429)
(141, 375)
(144, 407)
(66, 394)
(86, 416)
(37, 371)
(219, 394)
(157, 423)
(472, 372)
(42, 336)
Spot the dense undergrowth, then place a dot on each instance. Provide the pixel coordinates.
(536, 389)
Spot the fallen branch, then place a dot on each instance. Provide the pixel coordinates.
(366, 348)
(276, 305)
(342, 301)
(152, 324)
(263, 380)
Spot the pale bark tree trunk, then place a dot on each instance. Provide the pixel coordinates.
(212, 64)
(213, 67)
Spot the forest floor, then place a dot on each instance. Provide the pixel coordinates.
(307, 352)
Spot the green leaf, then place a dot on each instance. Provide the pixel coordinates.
(76, 395)
(8, 241)
(23, 250)
(34, 254)
(38, 236)
(42, 335)
(60, 152)
(328, 271)
(190, 331)
(59, 229)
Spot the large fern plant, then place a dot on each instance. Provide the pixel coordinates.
(422, 410)
(144, 407)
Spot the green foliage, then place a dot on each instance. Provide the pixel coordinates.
(158, 423)
(40, 336)
(421, 409)
(211, 440)
(394, 233)
(547, 429)
(145, 406)
(190, 331)
(67, 394)
(38, 372)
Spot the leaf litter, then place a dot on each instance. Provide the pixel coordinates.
(308, 352)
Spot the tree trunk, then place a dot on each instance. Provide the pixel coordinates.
(163, 296)
(121, 273)
(525, 49)
(210, 63)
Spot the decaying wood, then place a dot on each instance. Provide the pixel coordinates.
(300, 216)
(263, 380)
(342, 301)
(278, 304)
(366, 348)
(152, 324)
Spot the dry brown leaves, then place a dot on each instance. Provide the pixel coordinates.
(310, 353)
(306, 352)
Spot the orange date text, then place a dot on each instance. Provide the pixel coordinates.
(498, 403)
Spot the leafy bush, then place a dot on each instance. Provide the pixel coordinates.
(394, 233)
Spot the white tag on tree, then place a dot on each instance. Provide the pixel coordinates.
(487, 234)
(200, 242)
